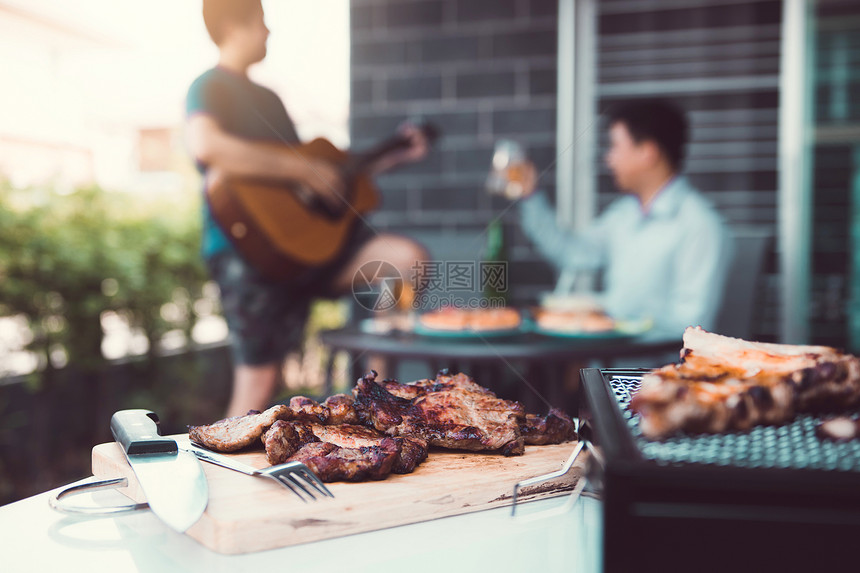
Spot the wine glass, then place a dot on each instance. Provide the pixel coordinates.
(507, 172)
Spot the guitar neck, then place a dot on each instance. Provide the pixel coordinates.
(364, 160)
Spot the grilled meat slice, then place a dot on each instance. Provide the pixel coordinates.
(307, 410)
(295, 441)
(838, 429)
(554, 428)
(443, 381)
(235, 433)
(405, 391)
(284, 439)
(341, 410)
(232, 434)
(411, 451)
(725, 383)
(333, 463)
(449, 413)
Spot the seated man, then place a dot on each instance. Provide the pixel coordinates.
(663, 247)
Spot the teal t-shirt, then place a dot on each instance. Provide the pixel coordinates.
(244, 109)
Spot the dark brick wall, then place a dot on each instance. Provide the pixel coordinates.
(479, 69)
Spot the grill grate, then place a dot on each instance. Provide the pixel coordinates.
(793, 445)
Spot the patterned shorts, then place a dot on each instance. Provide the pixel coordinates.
(267, 318)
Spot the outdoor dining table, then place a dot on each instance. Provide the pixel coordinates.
(538, 360)
(546, 535)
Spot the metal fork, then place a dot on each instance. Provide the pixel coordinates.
(295, 476)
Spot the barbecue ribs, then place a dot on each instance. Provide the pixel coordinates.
(725, 383)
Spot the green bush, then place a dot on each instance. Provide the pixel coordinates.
(67, 258)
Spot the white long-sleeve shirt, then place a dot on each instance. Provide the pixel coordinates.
(668, 264)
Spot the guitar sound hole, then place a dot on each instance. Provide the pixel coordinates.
(314, 203)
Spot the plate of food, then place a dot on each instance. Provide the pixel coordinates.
(585, 324)
(398, 322)
(451, 322)
(582, 302)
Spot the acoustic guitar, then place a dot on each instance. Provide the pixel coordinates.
(284, 229)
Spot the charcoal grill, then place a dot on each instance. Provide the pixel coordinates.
(773, 498)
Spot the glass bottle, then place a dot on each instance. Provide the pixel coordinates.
(494, 272)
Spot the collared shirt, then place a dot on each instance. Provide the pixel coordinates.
(667, 263)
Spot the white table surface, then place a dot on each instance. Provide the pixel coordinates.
(37, 538)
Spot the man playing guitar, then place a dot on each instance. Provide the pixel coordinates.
(231, 124)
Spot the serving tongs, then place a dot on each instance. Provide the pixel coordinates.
(582, 445)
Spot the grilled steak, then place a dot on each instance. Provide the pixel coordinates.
(555, 428)
(386, 427)
(295, 441)
(285, 439)
(443, 381)
(451, 412)
(307, 410)
(411, 451)
(341, 410)
(333, 463)
(725, 383)
(231, 434)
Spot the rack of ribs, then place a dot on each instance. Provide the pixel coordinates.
(725, 383)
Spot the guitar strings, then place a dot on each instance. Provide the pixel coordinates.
(310, 165)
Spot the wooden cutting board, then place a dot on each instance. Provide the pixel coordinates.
(248, 514)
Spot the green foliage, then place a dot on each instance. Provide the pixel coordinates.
(67, 258)
(325, 314)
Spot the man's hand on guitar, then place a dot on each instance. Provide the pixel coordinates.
(416, 150)
(418, 144)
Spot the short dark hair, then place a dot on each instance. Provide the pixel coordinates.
(657, 120)
(216, 13)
